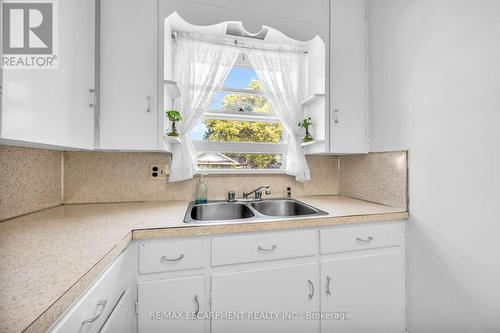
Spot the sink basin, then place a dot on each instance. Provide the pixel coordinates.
(283, 208)
(220, 211)
(216, 212)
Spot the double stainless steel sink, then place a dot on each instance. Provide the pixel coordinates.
(230, 212)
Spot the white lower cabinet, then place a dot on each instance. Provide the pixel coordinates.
(284, 293)
(122, 318)
(171, 305)
(348, 279)
(364, 293)
(107, 305)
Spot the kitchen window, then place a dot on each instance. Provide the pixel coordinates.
(240, 131)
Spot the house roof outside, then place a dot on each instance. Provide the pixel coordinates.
(217, 159)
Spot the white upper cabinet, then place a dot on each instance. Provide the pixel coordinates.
(348, 77)
(128, 75)
(54, 105)
(341, 126)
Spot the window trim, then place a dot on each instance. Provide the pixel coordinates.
(199, 171)
(243, 91)
(240, 147)
(241, 116)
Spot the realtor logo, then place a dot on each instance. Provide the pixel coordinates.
(28, 34)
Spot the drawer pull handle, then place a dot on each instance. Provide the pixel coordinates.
(263, 249)
(165, 259)
(196, 305)
(101, 305)
(327, 286)
(364, 241)
(311, 289)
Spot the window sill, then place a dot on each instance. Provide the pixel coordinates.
(240, 171)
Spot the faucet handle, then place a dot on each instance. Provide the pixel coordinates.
(258, 195)
(268, 191)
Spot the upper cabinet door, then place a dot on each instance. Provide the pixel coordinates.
(348, 77)
(51, 104)
(128, 75)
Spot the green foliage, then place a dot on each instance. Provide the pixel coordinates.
(174, 115)
(305, 123)
(247, 131)
(242, 131)
(247, 103)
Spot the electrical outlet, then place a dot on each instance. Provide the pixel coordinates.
(158, 171)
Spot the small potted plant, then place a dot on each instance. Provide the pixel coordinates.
(173, 116)
(305, 124)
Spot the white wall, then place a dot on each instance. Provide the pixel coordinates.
(435, 89)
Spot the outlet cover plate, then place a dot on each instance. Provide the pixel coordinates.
(158, 171)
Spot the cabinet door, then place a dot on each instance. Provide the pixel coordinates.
(170, 305)
(52, 106)
(285, 291)
(369, 289)
(348, 79)
(128, 116)
(121, 319)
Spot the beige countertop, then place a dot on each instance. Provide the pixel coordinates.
(48, 258)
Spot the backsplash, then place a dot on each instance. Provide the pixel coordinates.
(122, 177)
(376, 177)
(30, 180)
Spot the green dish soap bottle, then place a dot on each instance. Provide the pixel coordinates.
(200, 193)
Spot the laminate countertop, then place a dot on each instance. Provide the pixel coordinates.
(49, 258)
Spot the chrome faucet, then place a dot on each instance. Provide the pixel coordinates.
(258, 192)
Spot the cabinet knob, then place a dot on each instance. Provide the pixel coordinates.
(263, 249)
(196, 305)
(311, 289)
(327, 286)
(364, 241)
(336, 116)
(166, 259)
(101, 305)
(148, 98)
(92, 98)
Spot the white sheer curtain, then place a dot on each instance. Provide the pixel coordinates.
(282, 74)
(200, 70)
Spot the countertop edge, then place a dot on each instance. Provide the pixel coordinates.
(63, 303)
(183, 231)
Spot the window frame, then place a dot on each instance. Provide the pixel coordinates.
(202, 146)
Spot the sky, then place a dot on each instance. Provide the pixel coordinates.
(238, 77)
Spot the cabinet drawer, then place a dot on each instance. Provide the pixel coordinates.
(240, 249)
(360, 238)
(172, 255)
